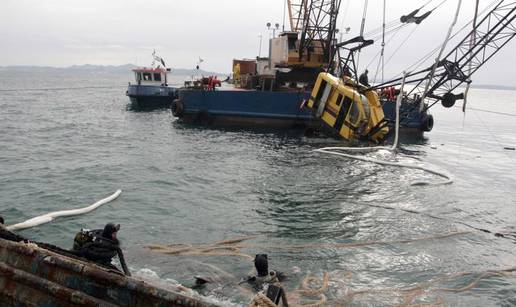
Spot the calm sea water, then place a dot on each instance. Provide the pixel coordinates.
(66, 148)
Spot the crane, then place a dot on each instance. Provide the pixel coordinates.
(315, 21)
(352, 109)
(490, 35)
(305, 51)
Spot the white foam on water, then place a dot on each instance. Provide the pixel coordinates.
(153, 278)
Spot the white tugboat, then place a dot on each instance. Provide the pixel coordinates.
(151, 89)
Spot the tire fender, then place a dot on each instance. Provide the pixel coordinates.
(177, 108)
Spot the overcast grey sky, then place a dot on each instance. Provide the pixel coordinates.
(114, 32)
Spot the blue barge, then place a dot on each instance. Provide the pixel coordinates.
(279, 109)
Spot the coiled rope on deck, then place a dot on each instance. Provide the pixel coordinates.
(45, 218)
(261, 300)
(412, 293)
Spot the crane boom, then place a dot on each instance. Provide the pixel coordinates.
(491, 34)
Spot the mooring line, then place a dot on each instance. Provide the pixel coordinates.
(495, 233)
(61, 88)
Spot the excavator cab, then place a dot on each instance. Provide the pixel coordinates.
(348, 108)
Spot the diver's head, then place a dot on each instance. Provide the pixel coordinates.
(261, 263)
(1, 220)
(110, 231)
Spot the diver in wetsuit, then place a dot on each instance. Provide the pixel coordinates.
(263, 275)
(104, 247)
(268, 282)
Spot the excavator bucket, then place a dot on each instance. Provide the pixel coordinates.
(353, 115)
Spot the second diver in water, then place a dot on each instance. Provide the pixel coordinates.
(263, 275)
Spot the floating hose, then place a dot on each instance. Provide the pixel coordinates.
(333, 151)
(45, 218)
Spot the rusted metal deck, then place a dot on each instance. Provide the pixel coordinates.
(32, 274)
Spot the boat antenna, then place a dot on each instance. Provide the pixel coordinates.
(158, 59)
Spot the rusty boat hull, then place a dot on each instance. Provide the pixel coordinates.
(39, 274)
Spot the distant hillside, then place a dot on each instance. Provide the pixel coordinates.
(102, 68)
(493, 87)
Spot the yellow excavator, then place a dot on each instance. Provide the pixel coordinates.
(348, 107)
(343, 104)
(354, 111)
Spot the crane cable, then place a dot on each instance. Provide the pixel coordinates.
(387, 43)
(472, 42)
(376, 32)
(335, 150)
(383, 42)
(423, 59)
(381, 59)
(434, 67)
(344, 16)
(362, 25)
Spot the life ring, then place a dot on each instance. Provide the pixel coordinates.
(427, 123)
(177, 108)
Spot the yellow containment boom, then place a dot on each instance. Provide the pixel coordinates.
(354, 116)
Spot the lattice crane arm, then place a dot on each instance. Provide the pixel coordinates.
(491, 34)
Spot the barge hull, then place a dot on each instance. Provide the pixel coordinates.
(275, 109)
(239, 107)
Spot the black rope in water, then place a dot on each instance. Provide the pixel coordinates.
(62, 88)
(489, 111)
(496, 234)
